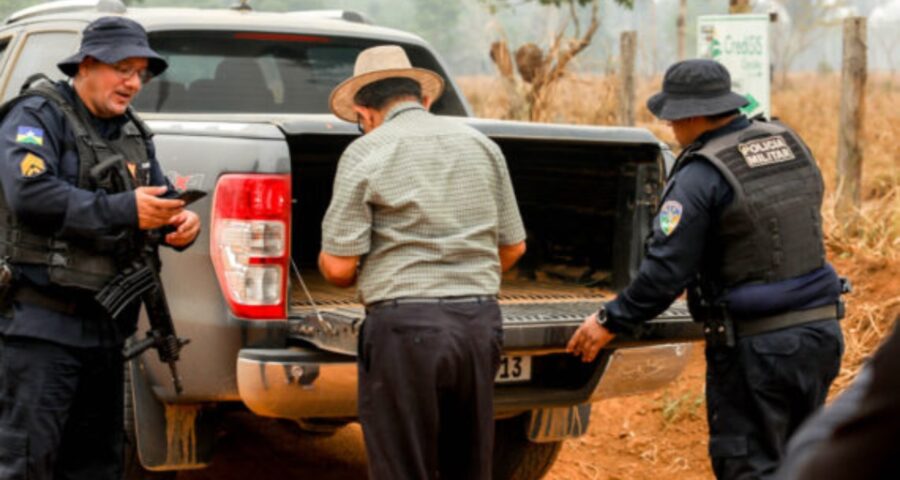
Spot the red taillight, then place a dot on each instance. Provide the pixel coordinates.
(250, 243)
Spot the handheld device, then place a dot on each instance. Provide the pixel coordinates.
(191, 196)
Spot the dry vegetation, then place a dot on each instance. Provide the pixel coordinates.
(643, 437)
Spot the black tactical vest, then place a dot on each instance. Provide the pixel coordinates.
(773, 228)
(115, 166)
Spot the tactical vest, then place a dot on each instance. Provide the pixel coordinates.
(70, 262)
(772, 230)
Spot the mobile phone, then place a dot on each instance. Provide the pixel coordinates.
(190, 196)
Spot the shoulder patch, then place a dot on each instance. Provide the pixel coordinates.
(669, 216)
(766, 151)
(32, 165)
(30, 135)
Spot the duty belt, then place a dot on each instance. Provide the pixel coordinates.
(34, 296)
(789, 319)
(432, 300)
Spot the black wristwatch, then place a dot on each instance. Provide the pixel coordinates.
(602, 316)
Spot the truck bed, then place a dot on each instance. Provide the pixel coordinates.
(513, 291)
(538, 315)
(529, 307)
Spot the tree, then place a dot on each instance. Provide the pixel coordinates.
(539, 68)
(807, 20)
(739, 6)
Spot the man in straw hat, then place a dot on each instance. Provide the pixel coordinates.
(427, 204)
(738, 227)
(61, 368)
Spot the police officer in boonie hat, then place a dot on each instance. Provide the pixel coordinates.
(61, 369)
(739, 228)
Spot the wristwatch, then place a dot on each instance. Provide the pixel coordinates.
(602, 316)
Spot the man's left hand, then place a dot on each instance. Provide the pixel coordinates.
(589, 339)
(187, 226)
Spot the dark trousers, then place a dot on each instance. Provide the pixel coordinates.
(60, 411)
(760, 391)
(426, 383)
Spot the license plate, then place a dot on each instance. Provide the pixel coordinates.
(514, 369)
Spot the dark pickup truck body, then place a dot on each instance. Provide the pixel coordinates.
(242, 114)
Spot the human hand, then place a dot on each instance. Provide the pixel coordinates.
(590, 337)
(153, 211)
(187, 226)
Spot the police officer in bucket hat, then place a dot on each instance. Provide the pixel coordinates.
(81, 187)
(739, 227)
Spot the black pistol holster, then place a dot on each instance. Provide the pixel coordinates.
(718, 327)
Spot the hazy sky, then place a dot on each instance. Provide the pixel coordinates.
(462, 30)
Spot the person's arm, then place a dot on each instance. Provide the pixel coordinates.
(39, 191)
(339, 271)
(674, 252)
(510, 254)
(858, 435)
(346, 228)
(510, 227)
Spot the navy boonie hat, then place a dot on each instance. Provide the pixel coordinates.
(695, 88)
(110, 40)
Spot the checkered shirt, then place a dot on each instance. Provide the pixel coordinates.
(426, 201)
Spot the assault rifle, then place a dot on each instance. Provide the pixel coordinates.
(141, 280)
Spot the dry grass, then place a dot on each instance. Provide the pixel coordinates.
(869, 255)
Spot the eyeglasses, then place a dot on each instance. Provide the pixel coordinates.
(125, 72)
(359, 124)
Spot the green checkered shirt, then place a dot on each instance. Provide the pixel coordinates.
(426, 200)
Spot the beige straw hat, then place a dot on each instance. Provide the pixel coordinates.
(377, 63)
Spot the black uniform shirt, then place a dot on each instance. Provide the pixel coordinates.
(683, 238)
(39, 172)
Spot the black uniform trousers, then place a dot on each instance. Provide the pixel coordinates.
(61, 415)
(426, 384)
(760, 391)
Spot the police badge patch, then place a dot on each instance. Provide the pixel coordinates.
(669, 216)
(766, 151)
(32, 165)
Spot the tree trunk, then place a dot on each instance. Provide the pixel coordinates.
(739, 6)
(628, 45)
(852, 116)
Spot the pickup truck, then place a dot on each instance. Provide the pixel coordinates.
(242, 113)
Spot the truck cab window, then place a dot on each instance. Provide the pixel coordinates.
(247, 72)
(41, 52)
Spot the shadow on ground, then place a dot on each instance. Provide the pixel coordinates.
(252, 447)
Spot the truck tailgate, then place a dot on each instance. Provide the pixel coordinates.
(538, 317)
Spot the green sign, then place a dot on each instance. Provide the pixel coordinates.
(741, 43)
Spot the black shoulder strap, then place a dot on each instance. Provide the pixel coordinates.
(138, 122)
(87, 139)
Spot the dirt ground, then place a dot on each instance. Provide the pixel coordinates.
(255, 448)
(661, 434)
(632, 438)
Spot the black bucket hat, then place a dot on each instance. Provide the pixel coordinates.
(112, 39)
(695, 88)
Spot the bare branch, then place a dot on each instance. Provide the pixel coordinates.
(575, 18)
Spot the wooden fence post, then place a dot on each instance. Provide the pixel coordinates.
(852, 116)
(628, 48)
